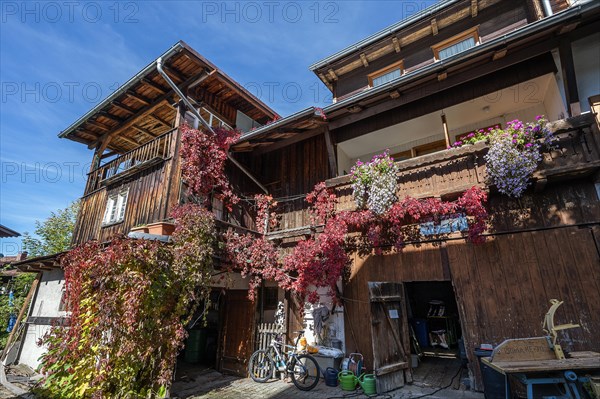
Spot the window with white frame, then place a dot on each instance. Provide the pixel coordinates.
(115, 207)
(456, 44)
(386, 74)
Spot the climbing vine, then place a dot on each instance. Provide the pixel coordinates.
(129, 303)
(321, 259)
(203, 162)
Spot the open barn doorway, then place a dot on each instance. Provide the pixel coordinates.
(201, 346)
(437, 352)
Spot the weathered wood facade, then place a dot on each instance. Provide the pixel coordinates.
(542, 246)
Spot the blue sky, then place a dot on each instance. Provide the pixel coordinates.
(58, 59)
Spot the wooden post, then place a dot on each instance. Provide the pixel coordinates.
(333, 169)
(445, 125)
(21, 313)
(569, 79)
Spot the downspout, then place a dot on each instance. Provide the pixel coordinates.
(547, 8)
(194, 111)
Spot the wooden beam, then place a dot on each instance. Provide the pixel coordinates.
(332, 74)
(98, 153)
(137, 97)
(474, 8)
(154, 86)
(396, 44)
(442, 76)
(333, 169)
(499, 54)
(129, 140)
(159, 120)
(108, 154)
(144, 131)
(99, 125)
(434, 27)
(172, 72)
(284, 143)
(105, 114)
(144, 111)
(123, 107)
(363, 58)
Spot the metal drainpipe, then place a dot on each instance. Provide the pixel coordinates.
(193, 110)
(547, 8)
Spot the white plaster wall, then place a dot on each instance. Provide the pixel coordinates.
(335, 322)
(46, 304)
(586, 56)
(344, 162)
(553, 102)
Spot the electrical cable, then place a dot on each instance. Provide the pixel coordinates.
(441, 388)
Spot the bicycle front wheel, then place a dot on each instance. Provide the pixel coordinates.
(305, 372)
(260, 366)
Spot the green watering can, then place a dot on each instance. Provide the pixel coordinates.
(367, 383)
(347, 380)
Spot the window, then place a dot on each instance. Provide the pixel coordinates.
(386, 74)
(456, 44)
(115, 208)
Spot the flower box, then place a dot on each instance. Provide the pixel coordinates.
(139, 229)
(161, 228)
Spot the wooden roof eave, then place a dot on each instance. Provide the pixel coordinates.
(529, 33)
(39, 263)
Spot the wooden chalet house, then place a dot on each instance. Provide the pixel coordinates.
(450, 69)
(135, 180)
(456, 67)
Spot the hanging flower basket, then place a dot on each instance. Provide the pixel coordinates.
(374, 183)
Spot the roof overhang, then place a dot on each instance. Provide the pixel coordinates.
(6, 232)
(39, 263)
(536, 32)
(143, 108)
(283, 132)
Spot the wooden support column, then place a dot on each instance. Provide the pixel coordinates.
(569, 79)
(333, 169)
(100, 148)
(445, 126)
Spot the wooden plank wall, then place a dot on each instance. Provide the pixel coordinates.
(290, 171)
(504, 287)
(148, 201)
(548, 249)
(413, 264)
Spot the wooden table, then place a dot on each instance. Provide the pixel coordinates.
(539, 372)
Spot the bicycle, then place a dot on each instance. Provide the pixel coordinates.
(299, 365)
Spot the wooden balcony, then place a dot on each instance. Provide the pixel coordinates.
(132, 162)
(448, 173)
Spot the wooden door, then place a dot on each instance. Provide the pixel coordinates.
(238, 328)
(389, 328)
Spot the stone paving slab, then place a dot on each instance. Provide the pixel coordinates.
(213, 385)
